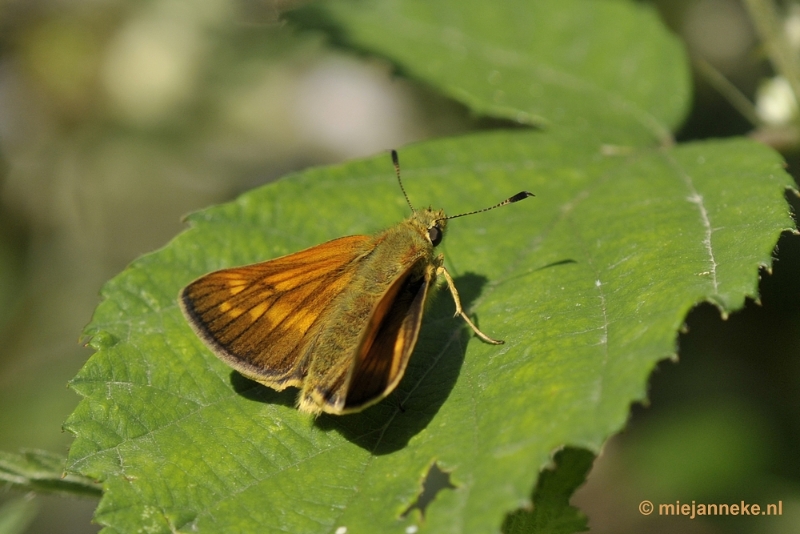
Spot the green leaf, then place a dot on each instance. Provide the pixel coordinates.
(43, 472)
(589, 64)
(552, 513)
(588, 283)
(16, 515)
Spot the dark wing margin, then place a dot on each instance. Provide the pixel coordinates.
(386, 348)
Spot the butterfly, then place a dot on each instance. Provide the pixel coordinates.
(338, 320)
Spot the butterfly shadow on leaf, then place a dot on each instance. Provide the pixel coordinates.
(431, 375)
(252, 390)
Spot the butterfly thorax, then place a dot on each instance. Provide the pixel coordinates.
(402, 252)
(407, 245)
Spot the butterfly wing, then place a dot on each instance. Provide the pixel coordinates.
(260, 317)
(389, 339)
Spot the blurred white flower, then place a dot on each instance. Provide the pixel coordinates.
(351, 110)
(775, 102)
(152, 64)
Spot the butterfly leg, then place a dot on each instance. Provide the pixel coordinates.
(460, 311)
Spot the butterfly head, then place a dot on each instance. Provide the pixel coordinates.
(430, 223)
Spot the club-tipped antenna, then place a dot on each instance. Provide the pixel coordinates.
(396, 162)
(522, 195)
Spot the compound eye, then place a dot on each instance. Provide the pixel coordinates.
(435, 235)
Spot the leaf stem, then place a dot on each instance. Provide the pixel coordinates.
(783, 59)
(43, 472)
(730, 92)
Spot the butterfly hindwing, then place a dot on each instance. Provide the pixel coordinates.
(389, 340)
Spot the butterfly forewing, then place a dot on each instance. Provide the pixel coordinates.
(258, 318)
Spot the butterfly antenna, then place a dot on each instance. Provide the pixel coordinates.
(396, 162)
(522, 195)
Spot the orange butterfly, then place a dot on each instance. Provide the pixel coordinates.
(338, 320)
